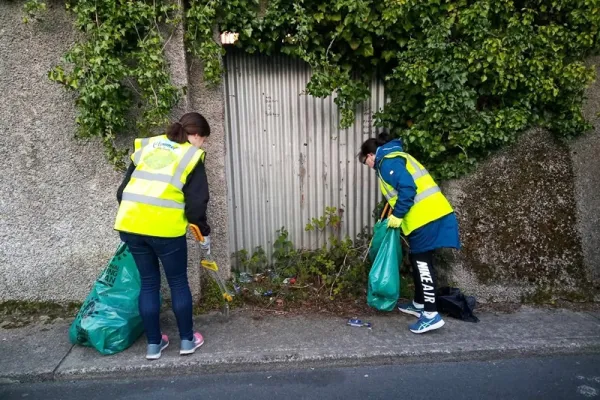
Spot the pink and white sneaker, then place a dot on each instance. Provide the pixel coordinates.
(154, 351)
(190, 346)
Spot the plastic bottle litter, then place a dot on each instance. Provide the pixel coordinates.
(358, 323)
(268, 293)
(245, 277)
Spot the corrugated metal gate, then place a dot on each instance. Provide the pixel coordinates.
(286, 157)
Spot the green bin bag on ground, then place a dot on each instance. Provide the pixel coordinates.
(109, 319)
(384, 277)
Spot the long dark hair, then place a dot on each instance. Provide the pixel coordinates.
(190, 124)
(370, 145)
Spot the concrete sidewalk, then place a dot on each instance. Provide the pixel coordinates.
(243, 342)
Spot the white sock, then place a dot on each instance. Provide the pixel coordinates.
(417, 305)
(429, 314)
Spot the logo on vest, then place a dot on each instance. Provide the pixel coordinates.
(163, 145)
(159, 158)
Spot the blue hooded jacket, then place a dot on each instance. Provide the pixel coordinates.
(442, 232)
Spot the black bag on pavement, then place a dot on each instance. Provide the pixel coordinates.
(452, 302)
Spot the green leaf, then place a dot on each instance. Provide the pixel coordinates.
(388, 55)
(367, 50)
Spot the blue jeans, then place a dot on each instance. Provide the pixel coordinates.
(172, 252)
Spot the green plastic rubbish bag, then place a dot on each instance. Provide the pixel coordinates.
(379, 231)
(384, 277)
(109, 319)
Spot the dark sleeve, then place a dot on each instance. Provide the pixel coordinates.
(125, 182)
(394, 172)
(195, 192)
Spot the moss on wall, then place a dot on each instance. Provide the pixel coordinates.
(518, 223)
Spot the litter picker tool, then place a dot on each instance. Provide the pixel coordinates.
(211, 266)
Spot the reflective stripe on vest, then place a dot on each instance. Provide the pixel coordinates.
(153, 202)
(429, 203)
(419, 171)
(138, 153)
(426, 193)
(151, 176)
(389, 195)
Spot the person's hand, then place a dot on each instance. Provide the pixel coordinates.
(394, 222)
(205, 244)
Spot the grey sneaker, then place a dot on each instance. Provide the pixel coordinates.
(154, 351)
(190, 346)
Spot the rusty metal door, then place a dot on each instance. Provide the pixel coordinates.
(287, 159)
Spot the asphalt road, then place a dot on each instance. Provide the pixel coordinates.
(565, 377)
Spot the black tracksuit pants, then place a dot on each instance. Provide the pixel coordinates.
(424, 278)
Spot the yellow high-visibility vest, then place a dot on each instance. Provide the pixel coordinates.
(153, 202)
(429, 203)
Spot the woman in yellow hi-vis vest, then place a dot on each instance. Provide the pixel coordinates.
(424, 215)
(164, 189)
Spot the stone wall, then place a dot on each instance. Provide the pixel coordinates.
(530, 219)
(57, 202)
(585, 154)
(58, 199)
(208, 100)
(518, 224)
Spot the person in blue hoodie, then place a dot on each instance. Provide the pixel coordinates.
(422, 212)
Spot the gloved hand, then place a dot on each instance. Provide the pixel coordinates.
(206, 244)
(394, 222)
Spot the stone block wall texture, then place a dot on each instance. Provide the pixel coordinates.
(57, 194)
(585, 154)
(208, 100)
(529, 215)
(57, 202)
(518, 224)
(530, 219)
